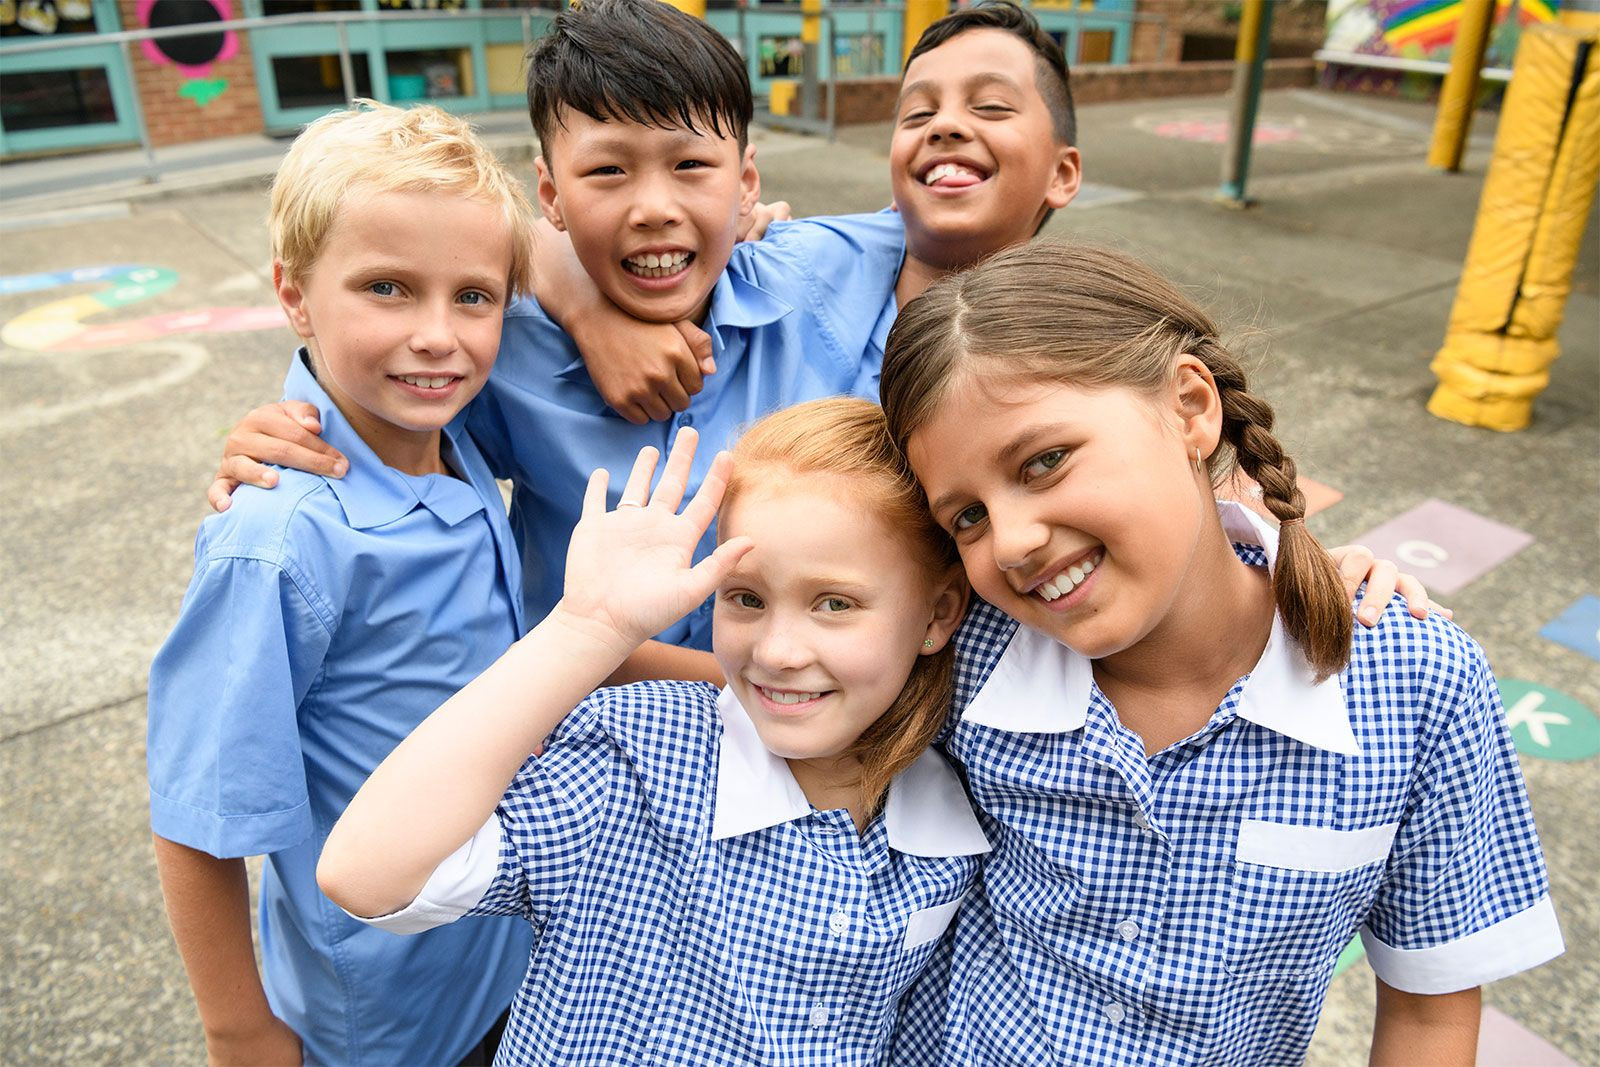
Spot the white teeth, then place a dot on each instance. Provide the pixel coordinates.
(653, 265)
(425, 383)
(1065, 582)
(789, 698)
(946, 170)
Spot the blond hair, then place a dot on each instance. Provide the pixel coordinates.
(374, 147)
(1096, 318)
(847, 438)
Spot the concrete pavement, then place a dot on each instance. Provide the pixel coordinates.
(1342, 278)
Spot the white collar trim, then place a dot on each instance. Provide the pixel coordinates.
(1041, 686)
(927, 812)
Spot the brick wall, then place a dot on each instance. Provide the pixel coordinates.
(175, 119)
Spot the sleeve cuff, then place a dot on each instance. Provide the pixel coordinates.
(1524, 940)
(453, 889)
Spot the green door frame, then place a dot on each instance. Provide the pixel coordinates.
(108, 57)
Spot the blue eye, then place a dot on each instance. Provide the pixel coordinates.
(473, 297)
(748, 600)
(1044, 462)
(834, 604)
(382, 288)
(969, 518)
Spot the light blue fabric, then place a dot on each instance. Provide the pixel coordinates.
(792, 319)
(325, 620)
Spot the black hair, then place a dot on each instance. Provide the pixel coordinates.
(1050, 63)
(639, 61)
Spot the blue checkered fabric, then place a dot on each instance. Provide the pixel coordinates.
(656, 944)
(1116, 925)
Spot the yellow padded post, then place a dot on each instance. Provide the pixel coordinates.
(920, 14)
(1536, 198)
(1458, 96)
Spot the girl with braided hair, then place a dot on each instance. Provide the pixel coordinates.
(1201, 781)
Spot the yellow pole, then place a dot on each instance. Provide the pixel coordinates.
(1458, 97)
(920, 14)
(1536, 199)
(697, 8)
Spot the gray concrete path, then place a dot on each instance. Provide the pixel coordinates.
(1344, 275)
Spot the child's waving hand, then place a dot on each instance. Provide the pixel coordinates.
(629, 572)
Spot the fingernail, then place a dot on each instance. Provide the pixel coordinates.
(1369, 615)
(339, 468)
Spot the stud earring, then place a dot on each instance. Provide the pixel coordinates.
(927, 643)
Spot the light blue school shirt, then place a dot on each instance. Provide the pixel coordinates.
(1189, 906)
(693, 907)
(325, 620)
(791, 319)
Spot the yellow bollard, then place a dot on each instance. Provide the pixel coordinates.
(920, 14)
(697, 8)
(1458, 96)
(1536, 198)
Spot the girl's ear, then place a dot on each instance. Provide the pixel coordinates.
(293, 299)
(1198, 405)
(949, 608)
(549, 198)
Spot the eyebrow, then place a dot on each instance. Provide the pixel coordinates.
(976, 81)
(1019, 446)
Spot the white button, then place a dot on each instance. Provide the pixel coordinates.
(1116, 1012)
(1140, 821)
(1127, 929)
(819, 1015)
(839, 923)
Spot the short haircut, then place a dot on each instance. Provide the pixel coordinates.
(1050, 62)
(375, 148)
(639, 61)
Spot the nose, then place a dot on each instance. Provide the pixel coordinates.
(948, 126)
(655, 204)
(433, 332)
(779, 648)
(1016, 535)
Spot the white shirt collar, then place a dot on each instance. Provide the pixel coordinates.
(1041, 686)
(927, 812)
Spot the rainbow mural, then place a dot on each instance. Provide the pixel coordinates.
(1426, 29)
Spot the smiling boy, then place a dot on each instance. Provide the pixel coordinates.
(328, 618)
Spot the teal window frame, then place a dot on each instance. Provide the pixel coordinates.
(108, 57)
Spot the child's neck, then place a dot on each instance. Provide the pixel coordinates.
(832, 783)
(1166, 686)
(916, 275)
(408, 451)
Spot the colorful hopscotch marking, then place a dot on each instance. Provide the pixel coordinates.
(1445, 546)
(1548, 723)
(1578, 627)
(1504, 1042)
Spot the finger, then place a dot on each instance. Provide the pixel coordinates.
(708, 498)
(715, 568)
(288, 445)
(303, 413)
(1381, 581)
(634, 414)
(243, 470)
(220, 495)
(657, 409)
(700, 345)
(674, 393)
(1416, 596)
(781, 212)
(636, 493)
(594, 494)
(1439, 609)
(675, 478)
(1354, 564)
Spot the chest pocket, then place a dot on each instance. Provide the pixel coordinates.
(1299, 893)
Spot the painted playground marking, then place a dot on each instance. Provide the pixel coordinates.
(1446, 546)
(1504, 1042)
(1298, 134)
(1548, 723)
(1578, 627)
(1242, 488)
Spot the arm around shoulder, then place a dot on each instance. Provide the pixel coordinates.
(1421, 1030)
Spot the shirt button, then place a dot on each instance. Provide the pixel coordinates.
(1140, 821)
(1127, 929)
(839, 923)
(686, 419)
(1116, 1012)
(819, 1016)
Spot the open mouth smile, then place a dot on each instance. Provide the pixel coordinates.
(953, 175)
(1069, 578)
(658, 265)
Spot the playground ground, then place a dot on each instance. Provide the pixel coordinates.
(1344, 273)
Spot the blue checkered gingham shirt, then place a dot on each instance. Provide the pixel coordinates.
(678, 925)
(1188, 907)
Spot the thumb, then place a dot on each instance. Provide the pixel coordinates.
(715, 568)
(699, 343)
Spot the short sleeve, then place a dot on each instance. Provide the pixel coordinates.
(1465, 898)
(227, 775)
(555, 807)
